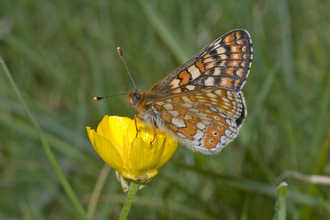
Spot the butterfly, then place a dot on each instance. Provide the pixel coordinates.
(201, 102)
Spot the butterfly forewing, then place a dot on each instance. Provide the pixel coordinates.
(224, 63)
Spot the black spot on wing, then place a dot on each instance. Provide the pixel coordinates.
(240, 119)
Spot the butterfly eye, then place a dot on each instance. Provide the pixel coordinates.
(135, 98)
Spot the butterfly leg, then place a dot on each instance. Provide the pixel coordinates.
(154, 128)
(137, 130)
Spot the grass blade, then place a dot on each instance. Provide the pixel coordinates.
(45, 145)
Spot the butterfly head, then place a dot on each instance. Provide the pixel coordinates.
(133, 97)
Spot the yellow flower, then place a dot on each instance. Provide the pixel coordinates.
(134, 158)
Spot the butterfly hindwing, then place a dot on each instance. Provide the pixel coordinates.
(200, 119)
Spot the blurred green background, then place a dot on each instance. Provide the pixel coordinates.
(62, 53)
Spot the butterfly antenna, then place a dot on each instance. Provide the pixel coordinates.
(129, 73)
(106, 97)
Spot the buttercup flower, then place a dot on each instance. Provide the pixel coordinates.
(133, 158)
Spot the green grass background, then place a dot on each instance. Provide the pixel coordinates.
(62, 53)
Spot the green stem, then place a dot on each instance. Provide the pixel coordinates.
(46, 146)
(97, 190)
(130, 196)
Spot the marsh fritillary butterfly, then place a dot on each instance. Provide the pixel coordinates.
(200, 102)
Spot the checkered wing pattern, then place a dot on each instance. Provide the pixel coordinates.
(224, 63)
(201, 102)
(206, 119)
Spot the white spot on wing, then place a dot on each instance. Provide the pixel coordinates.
(229, 133)
(174, 113)
(223, 56)
(226, 103)
(216, 71)
(230, 97)
(209, 59)
(223, 115)
(178, 122)
(211, 95)
(207, 121)
(175, 83)
(194, 71)
(187, 105)
(221, 50)
(190, 87)
(201, 125)
(218, 92)
(185, 99)
(224, 139)
(210, 65)
(194, 110)
(225, 99)
(207, 90)
(230, 122)
(199, 135)
(187, 117)
(209, 81)
(228, 93)
(203, 116)
(168, 107)
(213, 109)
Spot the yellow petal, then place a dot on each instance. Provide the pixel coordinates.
(106, 150)
(131, 130)
(145, 131)
(145, 157)
(170, 146)
(114, 128)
